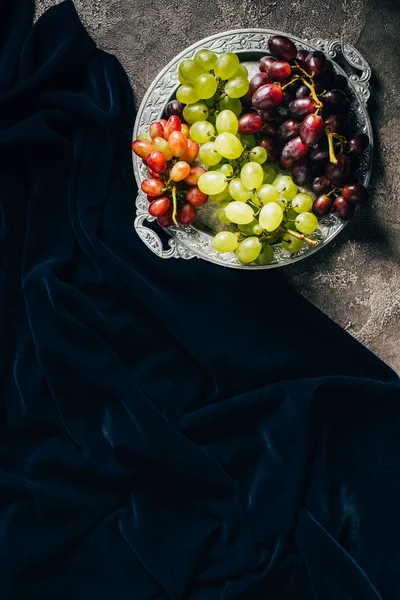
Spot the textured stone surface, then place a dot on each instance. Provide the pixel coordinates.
(355, 280)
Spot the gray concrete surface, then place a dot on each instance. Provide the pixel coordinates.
(355, 280)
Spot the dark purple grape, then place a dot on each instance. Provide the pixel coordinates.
(250, 123)
(329, 68)
(302, 57)
(280, 70)
(287, 98)
(268, 115)
(291, 88)
(311, 129)
(283, 111)
(322, 206)
(271, 146)
(335, 123)
(343, 208)
(175, 108)
(265, 63)
(301, 172)
(247, 99)
(303, 91)
(267, 96)
(288, 130)
(359, 143)
(316, 62)
(336, 99)
(337, 173)
(320, 184)
(282, 47)
(294, 149)
(339, 82)
(354, 193)
(258, 80)
(300, 107)
(320, 154)
(269, 129)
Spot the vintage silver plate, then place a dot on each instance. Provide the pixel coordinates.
(250, 45)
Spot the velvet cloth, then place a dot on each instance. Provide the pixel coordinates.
(168, 429)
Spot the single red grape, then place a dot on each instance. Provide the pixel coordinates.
(265, 63)
(271, 146)
(156, 129)
(301, 172)
(322, 206)
(258, 80)
(320, 184)
(157, 162)
(311, 129)
(160, 206)
(337, 173)
(354, 193)
(294, 149)
(187, 214)
(165, 220)
(267, 96)
(280, 70)
(250, 123)
(359, 143)
(152, 187)
(300, 107)
(142, 148)
(288, 130)
(344, 208)
(195, 197)
(174, 108)
(316, 62)
(282, 47)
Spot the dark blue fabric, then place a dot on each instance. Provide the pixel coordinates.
(168, 429)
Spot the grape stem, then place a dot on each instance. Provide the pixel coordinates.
(313, 94)
(334, 191)
(175, 206)
(332, 156)
(296, 78)
(300, 236)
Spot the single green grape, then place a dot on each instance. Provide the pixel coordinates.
(285, 186)
(205, 86)
(302, 203)
(266, 256)
(267, 193)
(306, 222)
(226, 65)
(195, 112)
(227, 122)
(190, 70)
(223, 196)
(221, 214)
(282, 201)
(241, 72)
(247, 229)
(249, 250)
(144, 136)
(227, 170)
(257, 229)
(248, 140)
(187, 94)
(208, 154)
(252, 175)
(258, 154)
(205, 58)
(232, 104)
(201, 132)
(271, 216)
(291, 243)
(228, 145)
(238, 191)
(269, 173)
(238, 212)
(237, 87)
(212, 182)
(226, 241)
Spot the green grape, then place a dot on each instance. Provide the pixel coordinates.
(226, 241)
(227, 170)
(241, 72)
(257, 229)
(221, 214)
(291, 243)
(223, 196)
(285, 186)
(212, 182)
(144, 136)
(302, 203)
(269, 173)
(227, 122)
(252, 175)
(228, 145)
(249, 250)
(258, 154)
(238, 191)
(232, 104)
(195, 112)
(206, 86)
(237, 87)
(247, 229)
(306, 222)
(205, 58)
(190, 70)
(266, 256)
(267, 193)
(201, 131)
(238, 212)
(249, 141)
(182, 80)
(208, 154)
(187, 94)
(282, 202)
(226, 65)
(271, 216)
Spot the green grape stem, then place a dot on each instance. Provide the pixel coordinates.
(300, 236)
(175, 206)
(332, 156)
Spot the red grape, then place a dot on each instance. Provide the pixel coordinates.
(258, 80)
(280, 70)
(195, 197)
(250, 123)
(289, 129)
(153, 173)
(311, 129)
(336, 99)
(173, 124)
(194, 175)
(160, 206)
(142, 148)
(191, 151)
(300, 107)
(153, 187)
(156, 129)
(303, 91)
(294, 149)
(266, 62)
(285, 164)
(322, 206)
(175, 108)
(337, 173)
(302, 56)
(335, 123)
(282, 47)
(179, 171)
(271, 146)
(316, 62)
(185, 129)
(157, 162)
(187, 214)
(177, 143)
(301, 173)
(320, 184)
(354, 193)
(165, 220)
(344, 208)
(267, 96)
(359, 143)
(339, 82)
